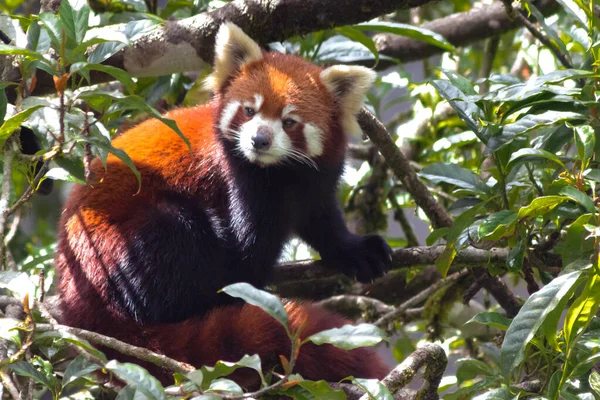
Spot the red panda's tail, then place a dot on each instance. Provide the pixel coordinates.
(230, 332)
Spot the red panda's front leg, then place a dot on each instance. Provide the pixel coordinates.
(363, 257)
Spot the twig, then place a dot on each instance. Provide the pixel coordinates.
(14, 225)
(400, 217)
(537, 34)
(10, 385)
(9, 154)
(532, 285)
(433, 358)
(498, 289)
(4, 37)
(54, 323)
(401, 167)
(122, 347)
(491, 48)
(399, 312)
(29, 191)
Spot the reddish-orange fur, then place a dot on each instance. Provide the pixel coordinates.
(99, 225)
(97, 222)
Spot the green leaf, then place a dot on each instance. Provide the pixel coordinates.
(121, 75)
(38, 40)
(454, 175)
(13, 123)
(498, 225)
(374, 388)
(594, 381)
(54, 27)
(115, 38)
(23, 368)
(16, 51)
(582, 310)
(322, 390)
(357, 36)
(468, 111)
(138, 378)
(529, 154)
(491, 318)
(133, 102)
(108, 147)
(461, 223)
(436, 235)
(349, 336)
(204, 376)
(585, 139)
(463, 84)
(550, 324)
(74, 15)
(576, 9)
(225, 385)
(579, 197)
(266, 301)
(77, 368)
(67, 337)
(62, 174)
(410, 31)
(502, 393)
(541, 206)
(577, 244)
(530, 122)
(516, 255)
(470, 368)
(529, 319)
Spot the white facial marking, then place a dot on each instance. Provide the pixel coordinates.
(287, 110)
(226, 117)
(279, 148)
(258, 100)
(314, 140)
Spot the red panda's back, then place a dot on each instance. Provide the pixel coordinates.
(100, 221)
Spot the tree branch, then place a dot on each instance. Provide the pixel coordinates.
(188, 44)
(122, 347)
(399, 312)
(402, 258)
(433, 358)
(460, 29)
(380, 137)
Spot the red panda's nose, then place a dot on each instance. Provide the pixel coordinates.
(262, 139)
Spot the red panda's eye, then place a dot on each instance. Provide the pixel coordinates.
(288, 122)
(250, 111)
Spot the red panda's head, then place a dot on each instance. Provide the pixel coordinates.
(278, 108)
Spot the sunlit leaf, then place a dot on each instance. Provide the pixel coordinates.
(349, 336)
(138, 378)
(266, 301)
(529, 319)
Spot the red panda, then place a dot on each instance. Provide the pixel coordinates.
(266, 156)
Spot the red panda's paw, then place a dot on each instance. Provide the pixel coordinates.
(363, 257)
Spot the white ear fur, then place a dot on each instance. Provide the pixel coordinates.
(349, 85)
(233, 49)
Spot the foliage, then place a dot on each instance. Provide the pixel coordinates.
(515, 163)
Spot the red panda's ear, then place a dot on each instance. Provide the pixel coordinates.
(349, 85)
(233, 49)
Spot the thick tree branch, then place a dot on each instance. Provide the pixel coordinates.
(433, 358)
(188, 44)
(402, 258)
(459, 29)
(380, 137)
